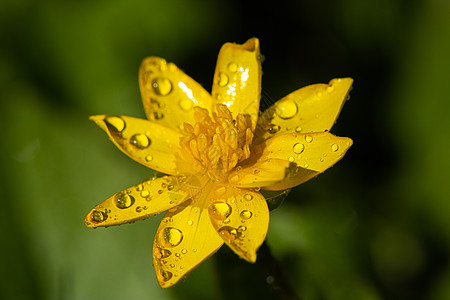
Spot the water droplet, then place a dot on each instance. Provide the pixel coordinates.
(298, 148)
(248, 197)
(185, 104)
(171, 237)
(228, 233)
(272, 128)
(160, 192)
(232, 67)
(158, 115)
(138, 209)
(162, 86)
(286, 109)
(194, 250)
(291, 159)
(221, 190)
(298, 129)
(189, 222)
(222, 79)
(234, 178)
(219, 210)
(149, 158)
(308, 138)
(226, 221)
(242, 228)
(166, 275)
(321, 159)
(261, 58)
(98, 216)
(139, 187)
(246, 214)
(123, 200)
(172, 266)
(335, 147)
(115, 123)
(256, 171)
(145, 194)
(140, 141)
(183, 251)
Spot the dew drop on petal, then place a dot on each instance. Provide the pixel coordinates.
(219, 210)
(308, 138)
(185, 104)
(234, 178)
(98, 216)
(335, 147)
(246, 214)
(272, 128)
(298, 148)
(162, 86)
(242, 228)
(115, 123)
(183, 251)
(291, 159)
(286, 109)
(248, 197)
(171, 237)
(166, 275)
(140, 141)
(298, 129)
(149, 158)
(228, 233)
(123, 200)
(145, 194)
(189, 222)
(232, 67)
(221, 190)
(222, 79)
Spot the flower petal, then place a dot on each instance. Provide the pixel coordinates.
(259, 174)
(241, 218)
(148, 143)
(237, 79)
(184, 239)
(144, 200)
(313, 108)
(309, 155)
(169, 95)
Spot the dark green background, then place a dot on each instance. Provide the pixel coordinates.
(375, 226)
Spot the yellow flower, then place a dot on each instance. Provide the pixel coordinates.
(218, 153)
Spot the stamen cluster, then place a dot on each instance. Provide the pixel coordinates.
(215, 145)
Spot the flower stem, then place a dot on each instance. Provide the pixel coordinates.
(265, 279)
(275, 275)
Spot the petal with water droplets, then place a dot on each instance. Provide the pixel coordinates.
(144, 200)
(241, 218)
(184, 239)
(262, 173)
(237, 79)
(153, 145)
(313, 108)
(169, 95)
(309, 155)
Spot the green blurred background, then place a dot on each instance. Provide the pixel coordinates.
(375, 226)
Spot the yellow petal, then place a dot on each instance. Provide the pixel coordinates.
(237, 79)
(313, 108)
(148, 143)
(169, 95)
(184, 239)
(241, 218)
(259, 174)
(144, 200)
(310, 154)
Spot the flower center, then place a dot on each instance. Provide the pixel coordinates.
(215, 145)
